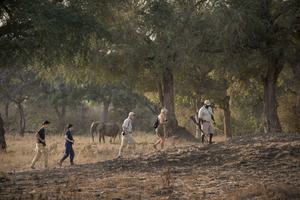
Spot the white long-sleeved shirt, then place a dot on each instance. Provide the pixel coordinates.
(127, 125)
(205, 113)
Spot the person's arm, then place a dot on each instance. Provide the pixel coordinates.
(200, 116)
(66, 137)
(125, 126)
(212, 115)
(37, 135)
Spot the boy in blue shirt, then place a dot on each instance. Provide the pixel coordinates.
(69, 146)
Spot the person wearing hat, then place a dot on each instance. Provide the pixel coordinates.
(160, 128)
(127, 138)
(69, 141)
(206, 117)
(41, 148)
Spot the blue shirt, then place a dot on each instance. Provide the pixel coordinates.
(69, 136)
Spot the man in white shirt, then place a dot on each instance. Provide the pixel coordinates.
(206, 117)
(127, 138)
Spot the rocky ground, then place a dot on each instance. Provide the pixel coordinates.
(249, 167)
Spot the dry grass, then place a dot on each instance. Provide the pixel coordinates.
(20, 150)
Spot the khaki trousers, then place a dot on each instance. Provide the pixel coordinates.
(126, 140)
(207, 128)
(40, 150)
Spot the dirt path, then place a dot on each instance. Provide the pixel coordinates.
(246, 168)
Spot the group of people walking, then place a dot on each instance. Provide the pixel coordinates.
(205, 118)
(42, 150)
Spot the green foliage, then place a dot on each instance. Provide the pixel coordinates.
(45, 33)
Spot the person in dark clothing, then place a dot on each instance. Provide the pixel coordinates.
(41, 148)
(69, 146)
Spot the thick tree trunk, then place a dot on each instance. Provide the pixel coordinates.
(296, 71)
(160, 94)
(227, 118)
(272, 123)
(106, 105)
(2, 135)
(168, 98)
(22, 119)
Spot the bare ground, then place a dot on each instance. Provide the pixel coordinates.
(250, 167)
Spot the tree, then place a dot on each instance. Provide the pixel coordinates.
(18, 86)
(154, 46)
(260, 29)
(46, 33)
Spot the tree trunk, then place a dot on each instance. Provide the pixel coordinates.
(2, 135)
(22, 118)
(272, 123)
(227, 118)
(160, 94)
(296, 71)
(106, 105)
(6, 115)
(298, 112)
(61, 116)
(169, 99)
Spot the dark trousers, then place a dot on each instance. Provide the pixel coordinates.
(69, 152)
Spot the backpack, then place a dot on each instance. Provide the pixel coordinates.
(156, 123)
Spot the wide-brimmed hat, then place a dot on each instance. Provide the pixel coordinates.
(207, 102)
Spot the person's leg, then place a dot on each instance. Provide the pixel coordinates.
(131, 143)
(210, 138)
(45, 154)
(211, 132)
(162, 143)
(72, 155)
(205, 131)
(157, 142)
(66, 154)
(123, 143)
(202, 138)
(37, 156)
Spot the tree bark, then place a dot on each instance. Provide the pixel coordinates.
(168, 98)
(227, 118)
(160, 94)
(272, 123)
(2, 135)
(7, 115)
(296, 71)
(61, 115)
(106, 105)
(22, 122)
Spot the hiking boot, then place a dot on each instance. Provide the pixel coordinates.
(72, 163)
(32, 167)
(154, 146)
(59, 163)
